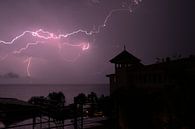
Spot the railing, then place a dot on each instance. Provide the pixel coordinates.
(51, 124)
(48, 118)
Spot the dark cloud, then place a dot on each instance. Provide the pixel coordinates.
(9, 75)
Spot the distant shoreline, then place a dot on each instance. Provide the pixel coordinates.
(26, 91)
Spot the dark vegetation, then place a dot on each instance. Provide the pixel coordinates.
(92, 104)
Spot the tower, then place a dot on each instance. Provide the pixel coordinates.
(124, 64)
(124, 61)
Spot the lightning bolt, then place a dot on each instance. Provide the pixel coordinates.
(45, 35)
(26, 47)
(28, 61)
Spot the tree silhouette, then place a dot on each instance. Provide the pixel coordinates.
(92, 98)
(37, 100)
(81, 98)
(104, 105)
(57, 98)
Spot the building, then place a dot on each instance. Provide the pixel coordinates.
(161, 92)
(131, 73)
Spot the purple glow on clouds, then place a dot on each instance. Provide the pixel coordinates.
(162, 25)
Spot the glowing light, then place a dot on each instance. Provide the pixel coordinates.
(26, 47)
(28, 60)
(45, 35)
(85, 46)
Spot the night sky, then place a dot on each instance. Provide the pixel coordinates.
(155, 28)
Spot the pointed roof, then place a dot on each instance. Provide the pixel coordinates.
(125, 57)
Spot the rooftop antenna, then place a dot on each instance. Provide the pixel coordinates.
(124, 48)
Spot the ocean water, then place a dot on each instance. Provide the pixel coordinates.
(26, 91)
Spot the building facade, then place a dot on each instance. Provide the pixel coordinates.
(158, 95)
(131, 73)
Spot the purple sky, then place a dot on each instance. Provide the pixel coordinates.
(156, 28)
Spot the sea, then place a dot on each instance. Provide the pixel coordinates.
(26, 91)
